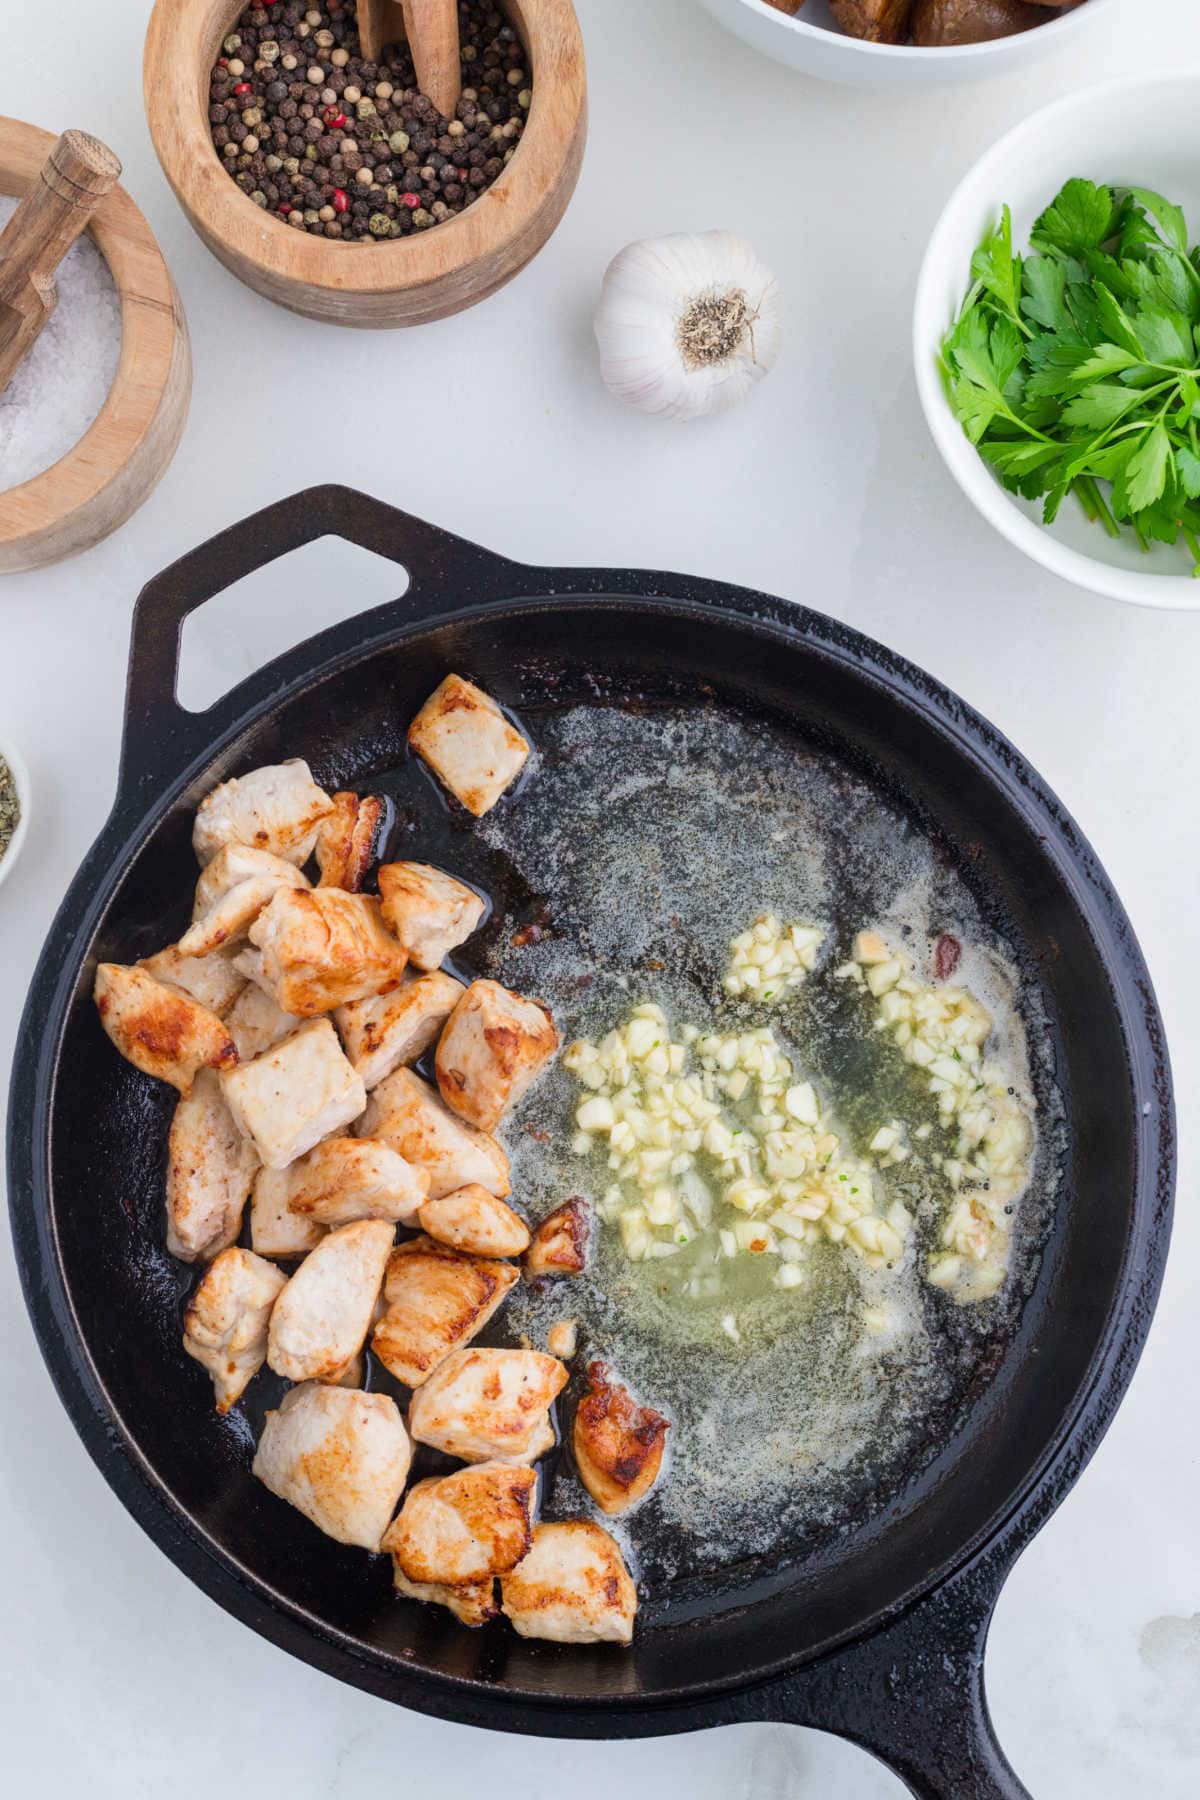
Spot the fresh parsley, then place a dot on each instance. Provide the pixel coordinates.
(1076, 369)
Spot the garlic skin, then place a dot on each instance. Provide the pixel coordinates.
(687, 324)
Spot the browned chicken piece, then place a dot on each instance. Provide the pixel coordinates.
(348, 1178)
(494, 1044)
(212, 980)
(323, 1315)
(878, 21)
(489, 1405)
(392, 1029)
(560, 1242)
(324, 948)
(430, 913)
(473, 1220)
(563, 1338)
(230, 894)
(295, 1094)
(407, 1114)
(472, 1602)
(340, 1456)
(468, 743)
(275, 1230)
(618, 1444)
(255, 1022)
(159, 1030)
(940, 23)
(277, 808)
(437, 1301)
(225, 1325)
(210, 1168)
(466, 1526)
(346, 839)
(572, 1587)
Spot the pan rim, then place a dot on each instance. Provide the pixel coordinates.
(125, 1467)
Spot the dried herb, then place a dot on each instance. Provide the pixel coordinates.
(10, 807)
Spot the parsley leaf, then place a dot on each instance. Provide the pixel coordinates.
(1075, 370)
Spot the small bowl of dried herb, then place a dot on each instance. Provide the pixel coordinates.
(14, 806)
(1057, 339)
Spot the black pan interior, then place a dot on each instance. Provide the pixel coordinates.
(701, 1628)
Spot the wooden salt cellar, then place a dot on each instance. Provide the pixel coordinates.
(407, 281)
(119, 460)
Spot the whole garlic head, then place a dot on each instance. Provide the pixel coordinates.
(687, 324)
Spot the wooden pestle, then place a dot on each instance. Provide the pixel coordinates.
(431, 28)
(75, 177)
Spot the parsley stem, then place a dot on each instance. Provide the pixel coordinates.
(1094, 504)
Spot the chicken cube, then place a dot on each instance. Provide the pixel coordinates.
(468, 743)
(437, 1301)
(230, 894)
(349, 1178)
(429, 912)
(295, 1094)
(323, 1315)
(346, 839)
(473, 1220)
(323, 948)
(407, 1114)
(339, 1456)
(275, 1230)
(572, 1587)
(278, 808)
(489, 1405)
(210, 1168)
(465, 1526)
(160, 1030)
(254, 1021)
(494, 1044)
(212, 980)
(618, 1444)
(225, 1325)
(380, 1034)
(560, 1243)
(472, 1602)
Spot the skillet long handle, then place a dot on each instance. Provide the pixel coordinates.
(161, 737)
(913, 1694)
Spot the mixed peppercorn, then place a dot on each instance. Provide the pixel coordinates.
(352, 150)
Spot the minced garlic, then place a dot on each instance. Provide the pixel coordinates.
(715, 1136)
(769, 957)
(943, 1031)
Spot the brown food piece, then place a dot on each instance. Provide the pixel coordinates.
(941, 24)
(560, 1243)
(786, 6)
(947, 954)
(325, 948)
(466, 740)
(473, 1603)
(346, 838)
(876, 21)
(572, 1587)
(437, 1301)
(618, 1444)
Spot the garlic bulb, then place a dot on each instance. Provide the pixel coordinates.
(687, 324)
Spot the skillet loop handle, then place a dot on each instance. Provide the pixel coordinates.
(913, 1695)
(161, 737)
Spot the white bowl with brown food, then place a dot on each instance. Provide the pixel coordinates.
(905, 43)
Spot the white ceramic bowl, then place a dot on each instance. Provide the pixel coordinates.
(1143, 132)
(811, 42)
(20, 775)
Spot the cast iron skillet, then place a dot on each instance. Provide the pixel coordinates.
(879, 1638)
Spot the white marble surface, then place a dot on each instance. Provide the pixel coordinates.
(121, 1678)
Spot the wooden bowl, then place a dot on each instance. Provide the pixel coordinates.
(406, 282)
(122, 456)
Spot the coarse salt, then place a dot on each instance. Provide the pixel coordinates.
(60, 387)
